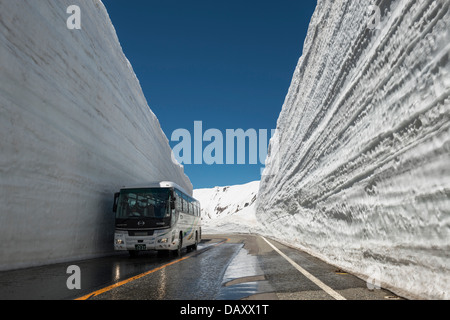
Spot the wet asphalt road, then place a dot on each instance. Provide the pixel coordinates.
(225, 267)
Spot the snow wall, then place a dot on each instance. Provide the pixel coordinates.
(358, 171)
(75, 128)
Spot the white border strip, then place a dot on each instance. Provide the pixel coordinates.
(319, 283)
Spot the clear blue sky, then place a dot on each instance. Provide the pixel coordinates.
(227, 63)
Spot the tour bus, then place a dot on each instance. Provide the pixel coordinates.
(160, 216)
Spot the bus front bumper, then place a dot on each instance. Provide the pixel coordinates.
(124, 242)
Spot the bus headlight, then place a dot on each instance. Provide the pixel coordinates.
(119, 238)
(163, 240)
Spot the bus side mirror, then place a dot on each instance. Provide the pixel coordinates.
(116, 200)
(172, 204)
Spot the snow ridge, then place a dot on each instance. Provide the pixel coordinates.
(358, 172)
(229, 209)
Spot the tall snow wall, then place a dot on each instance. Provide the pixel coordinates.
(358, 171)
(75, 127)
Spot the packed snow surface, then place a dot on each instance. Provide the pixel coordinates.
(358, 172)
(229, 209)
(75, 127)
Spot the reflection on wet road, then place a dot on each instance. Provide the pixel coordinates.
(196, 276)
(223, 268)
(49, 282)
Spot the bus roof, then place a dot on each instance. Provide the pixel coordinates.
(159, 184)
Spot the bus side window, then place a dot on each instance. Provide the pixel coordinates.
(188, 205)
(179, 203)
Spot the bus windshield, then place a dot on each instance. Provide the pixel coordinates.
(144, 203)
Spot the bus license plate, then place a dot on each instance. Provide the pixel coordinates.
(140, 247)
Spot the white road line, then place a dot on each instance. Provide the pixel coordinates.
(319, 283)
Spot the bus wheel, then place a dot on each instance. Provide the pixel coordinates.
(195, 245)
(177, 252)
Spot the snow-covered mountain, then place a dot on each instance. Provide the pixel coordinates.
(358, 171)
(75, 127)
(229, 209)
